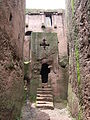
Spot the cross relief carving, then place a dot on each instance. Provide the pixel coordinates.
(44, 44)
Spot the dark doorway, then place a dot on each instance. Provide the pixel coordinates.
(44, 72)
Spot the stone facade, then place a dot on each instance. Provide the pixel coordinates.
(11, 58)
(78, 26)
(53, 21)
(49, 25)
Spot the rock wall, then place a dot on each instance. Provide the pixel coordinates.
(26, 51)
(78, 33)
(11, 58)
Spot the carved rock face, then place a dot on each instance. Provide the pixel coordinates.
(11, 68)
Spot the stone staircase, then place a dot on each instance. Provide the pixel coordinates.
(45, 98)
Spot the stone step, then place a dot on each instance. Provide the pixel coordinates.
(44, 95)
(45, 86)
(44, 102)
(44, 92)
(49, 99)
(45, 105)
(44, 89)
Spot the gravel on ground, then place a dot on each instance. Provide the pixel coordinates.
(30, 112)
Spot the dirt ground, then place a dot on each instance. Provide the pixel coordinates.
(30, 112)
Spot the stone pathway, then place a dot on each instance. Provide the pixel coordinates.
(30, 112)
(44, 109)
(44, 98)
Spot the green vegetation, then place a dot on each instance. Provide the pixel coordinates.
(78, 69)
(76, 51)
(72, 6)
(80, 114)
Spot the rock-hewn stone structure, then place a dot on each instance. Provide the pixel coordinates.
(11, 58)
(78, 26)
(49, 25)
(48, 21)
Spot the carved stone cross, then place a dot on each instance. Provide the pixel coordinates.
(44, 44)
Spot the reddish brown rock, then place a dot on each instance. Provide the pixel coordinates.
(11, 56)
(78, 35)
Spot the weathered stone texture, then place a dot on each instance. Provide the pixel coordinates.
(26, 51)
(11, 58)
(35, 20)
(55, 53)
(78, 24)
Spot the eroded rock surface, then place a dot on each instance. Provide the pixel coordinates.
(11, 65)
